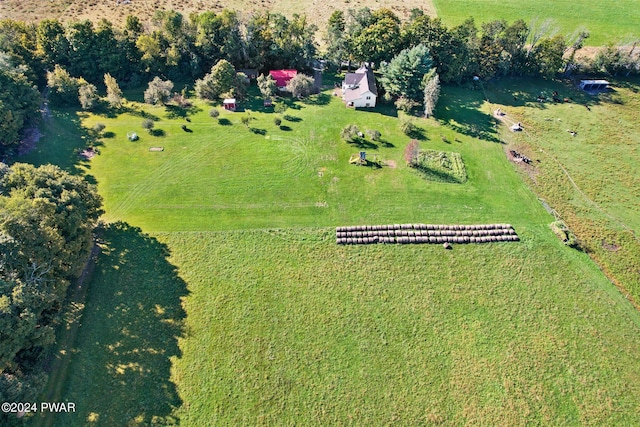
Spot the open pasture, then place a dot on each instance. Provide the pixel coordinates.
(608, 21)
(221, 174)
(317, 12)
(592, 177)
(286, 327)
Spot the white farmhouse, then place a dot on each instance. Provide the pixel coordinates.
(359, 88)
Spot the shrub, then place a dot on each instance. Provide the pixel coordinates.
(405, 104)
(148, 124)
(214, 113)
(374, 134)
(277, 121)
(98, 127)
(411, 152)
(407, 126)
(349, 133)
(561, 230)
(280, 107)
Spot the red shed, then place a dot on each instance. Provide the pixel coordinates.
(282, 77)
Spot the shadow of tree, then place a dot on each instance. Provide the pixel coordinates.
(178, 112)
(120, 373)
(459, 109)
(64, 139)
(319, 99)
(539, 93)
(363, 143)
(139, 113)
(224, 122)
(258, 131)
(386, 143)
(418, 133)
(293, 119)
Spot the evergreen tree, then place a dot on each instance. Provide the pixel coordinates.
(403, 76)
(431, 92)
(114, 94)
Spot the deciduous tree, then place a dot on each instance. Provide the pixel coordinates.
(46, 219)
(87, 94)
(158, 91)
(431, 92)
(19, 102)
(267, 85)
(300, 86)
(63, 87)
(219, 81)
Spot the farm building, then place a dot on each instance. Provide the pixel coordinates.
(251, 73)
(282, 77)
(590, 85)
(359, 88)
(229, 104)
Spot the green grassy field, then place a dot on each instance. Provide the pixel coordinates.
(231, 304)
(607, 21)
(280, 327)
(221, 177)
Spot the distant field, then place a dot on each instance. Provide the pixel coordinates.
(283, 327)
(613, 21)
(608, 20)
(317, 12)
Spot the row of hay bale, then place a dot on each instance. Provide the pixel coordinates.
(424, 227)
(425, 233)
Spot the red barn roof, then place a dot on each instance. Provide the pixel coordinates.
(282, 77)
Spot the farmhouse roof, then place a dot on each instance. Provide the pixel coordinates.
(364, 80)
(353, 79)
(282, 77)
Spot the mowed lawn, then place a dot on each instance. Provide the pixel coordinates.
(219, 176)
(283, 327)
(608, 21)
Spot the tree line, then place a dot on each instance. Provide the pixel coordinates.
(46, 222)
(181, 48)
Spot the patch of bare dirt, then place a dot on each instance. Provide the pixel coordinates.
(391, 164)
(609, 246)
(529, 168)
